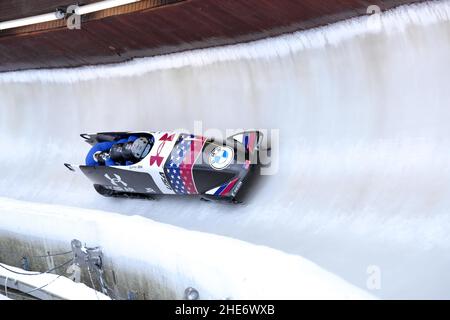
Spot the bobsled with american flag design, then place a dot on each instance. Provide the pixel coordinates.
(143, 164)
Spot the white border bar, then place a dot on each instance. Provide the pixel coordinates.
(47, 17)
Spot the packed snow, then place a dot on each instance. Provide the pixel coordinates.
(2, 297)
(218, 267)
(58, 286)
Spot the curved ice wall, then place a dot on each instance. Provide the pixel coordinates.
(362, 109)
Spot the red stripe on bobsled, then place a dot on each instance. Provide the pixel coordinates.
(188, 164)
(229, 187)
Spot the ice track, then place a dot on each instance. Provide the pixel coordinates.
(363, 111)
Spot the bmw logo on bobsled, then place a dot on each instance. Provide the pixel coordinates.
(143, 164)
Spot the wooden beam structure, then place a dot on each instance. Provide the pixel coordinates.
(154, 27)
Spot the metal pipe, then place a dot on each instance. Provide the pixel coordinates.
(47, 17)
(102, 5)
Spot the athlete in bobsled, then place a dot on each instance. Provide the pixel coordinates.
(123, 152)
(147, 163)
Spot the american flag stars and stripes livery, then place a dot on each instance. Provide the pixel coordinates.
(145, 164)
(178, 168)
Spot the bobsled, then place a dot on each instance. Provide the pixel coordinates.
(145, 164)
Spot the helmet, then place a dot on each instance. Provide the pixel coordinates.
(101, 157)
(131, 151)
(140, 148)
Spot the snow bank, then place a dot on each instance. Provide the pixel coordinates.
(217, 266)
(55, 285)
(2, 297)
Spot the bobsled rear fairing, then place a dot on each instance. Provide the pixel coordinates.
(170, 163)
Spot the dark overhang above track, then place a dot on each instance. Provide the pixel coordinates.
(154, 27)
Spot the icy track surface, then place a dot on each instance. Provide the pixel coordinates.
(219, 267)
(363, 112)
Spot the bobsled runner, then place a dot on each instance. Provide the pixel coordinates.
(144, 164)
